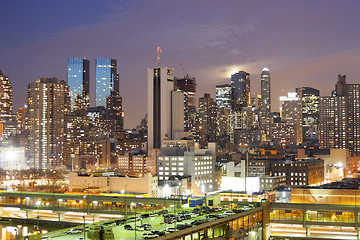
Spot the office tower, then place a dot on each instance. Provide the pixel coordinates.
(6, 98)
(187, 85)
(290, 112)
(223, 102)
(113, 117)
(265, 107)
(78, 82)
(48, 103)
(310, 113)
(21, 118)
(165, 107)
(107, 79)
(340, 117)
(207, 116)
(240, 85)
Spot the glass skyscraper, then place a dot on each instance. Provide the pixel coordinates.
(78, 81)
(240, 85)
(107, 80)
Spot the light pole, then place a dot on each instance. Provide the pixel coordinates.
(38, 215)
(134, 205)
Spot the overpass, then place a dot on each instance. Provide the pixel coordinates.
(82, 203)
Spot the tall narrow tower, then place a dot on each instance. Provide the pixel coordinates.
(265, 108)
(6, 98)
(165, 106)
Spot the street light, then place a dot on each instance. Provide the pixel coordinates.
(134, 205)
(38, 215)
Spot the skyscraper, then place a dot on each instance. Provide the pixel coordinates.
(107, 79)
(310, 113)
(78, 82)
(290, 111)
(207, 116)
(48, 103)
(223, 102)
(165, 107)
(265, 107)
(6, 98)
(240, 85)
(187, 85)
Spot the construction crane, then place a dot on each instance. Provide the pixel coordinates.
(182, 69)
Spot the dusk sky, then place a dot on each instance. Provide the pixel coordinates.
(303, 43)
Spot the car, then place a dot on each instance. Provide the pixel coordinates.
(132, 219)
(221, 215)
(140, 227)
(210, 218)
(194, 215)
(80, 238)
(45, 238)
(145, 215)
(147, 226)
(198, 222)
(235, 210)
(160, 233)
(120, 221)
(150, 235)
(216, 209)
(128, 227)
(74, 231)
(246, 208)
(164, 211)
(180, 226)
(229, 213)
(171, 229)
(169, 220)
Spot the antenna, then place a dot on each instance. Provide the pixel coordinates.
(182, 69)
(158, 53)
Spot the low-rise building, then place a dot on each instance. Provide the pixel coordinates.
(108, 182)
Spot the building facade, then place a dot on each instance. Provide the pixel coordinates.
(48, 103)
(265, 107)
(78, 80)
(107, 79)
(207, 116)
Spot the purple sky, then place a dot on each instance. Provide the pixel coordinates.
(304, 43)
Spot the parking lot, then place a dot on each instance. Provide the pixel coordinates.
(160, 223)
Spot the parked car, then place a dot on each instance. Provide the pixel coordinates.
(149, 235)
(164, 211)
(246, 208)
(128, 227)
(229, 213)
(160, 233)
(145, 215)
(74, 231)
(45, 238)
(147, 226)
(235, 210)
(171, 229)
(216, 209)
(120, 221)
(80, 238)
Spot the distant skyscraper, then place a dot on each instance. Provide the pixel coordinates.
(310, 113)
(107, 79)
(187, 85)
(265, 107)
(78, 82)
(290, 111)
(6, 98)
(207, 116)
(240, 85)
(165, 107)
(223, 101)
(48, 103)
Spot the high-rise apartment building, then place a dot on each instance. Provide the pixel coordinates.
(6, 98)
(207, 116)
(107, 79)
(265, 107)
(78, 80)
(165, 107)
(48, 103)
(340, 117)
(290, 112)
(187, 85)
(310, 113)
(240, 85)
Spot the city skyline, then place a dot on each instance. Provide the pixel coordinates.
(317, 42)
